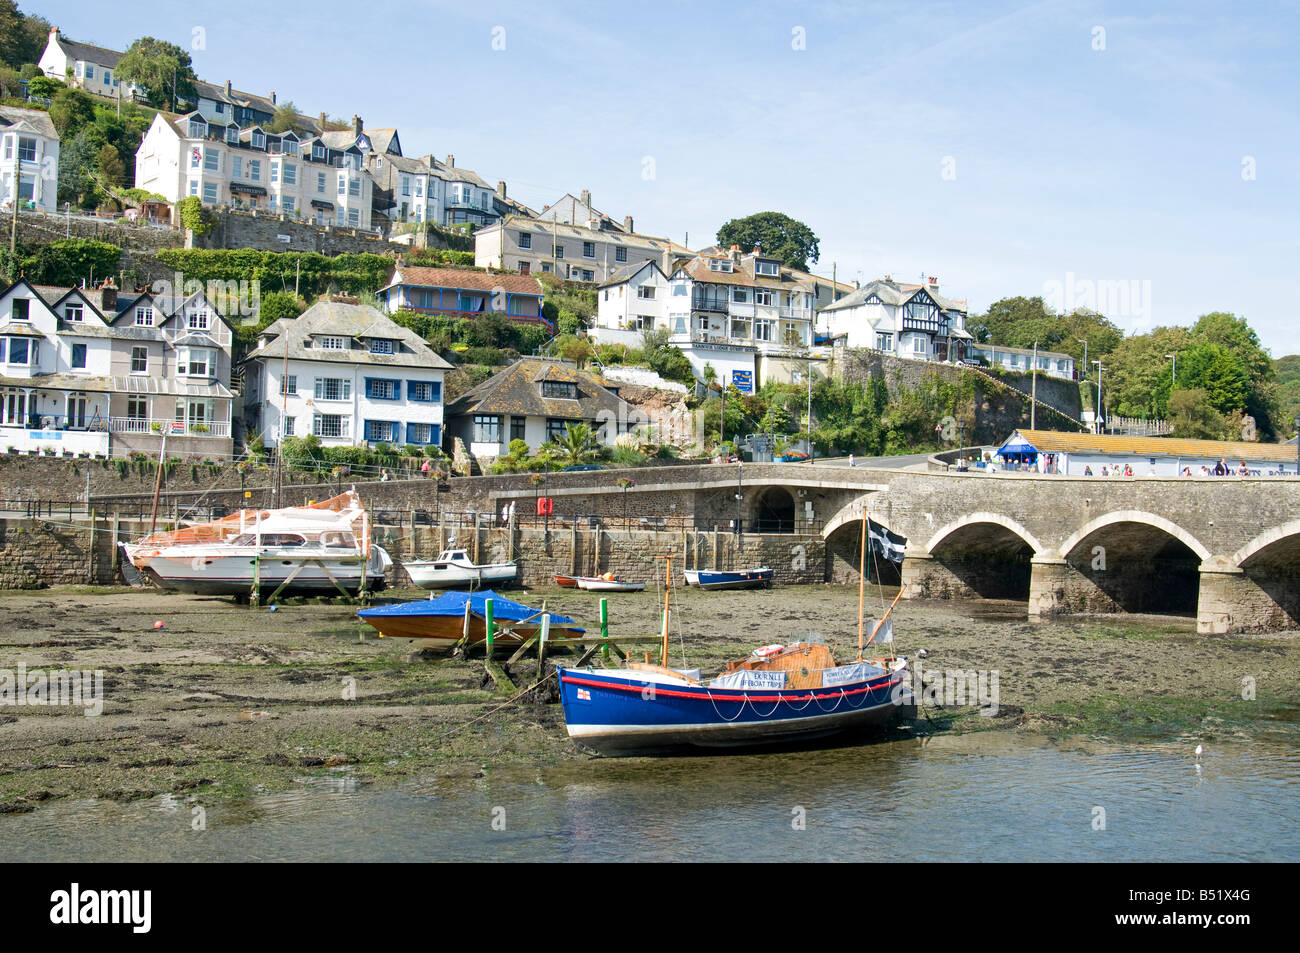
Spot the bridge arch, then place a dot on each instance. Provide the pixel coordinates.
(1284, 537)
(772, 510)
(973, 519)
(1135, 516)
(981, 555)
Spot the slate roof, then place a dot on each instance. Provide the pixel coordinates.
(893, 293)
(424, 277)
(36, 119)
(542, 226)
(351, 321)
(1052, 441)
(742, 274)
(99, 55)
(517, 391)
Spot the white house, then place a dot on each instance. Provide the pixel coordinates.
(87, 67)
(347, 374)
(29, 145)
(1051, 363)
(586, 252)
(906, 320)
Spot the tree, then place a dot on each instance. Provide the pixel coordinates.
(1193, 416)
(778, 236)
(194, 216)
(577, 445)
(275, 305)
(70, 111)
(77, 156)
(46, 87)
(1218, 372)
(22, 36)
(286, 118)
(162, 69)
(112, 170)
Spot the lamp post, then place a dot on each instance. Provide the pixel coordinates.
(1101, 419)
(625, 483)
(740, 495)
(1173, 376)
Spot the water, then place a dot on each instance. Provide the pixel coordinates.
(990, 796)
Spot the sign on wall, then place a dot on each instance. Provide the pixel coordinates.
(743, 381)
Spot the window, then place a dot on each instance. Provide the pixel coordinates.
(487, 428)
(524, 267)
(288, 203)
(765, 268)
(210, 192)
(320, 182)
(354, 185)
(419, 188)
(556, 428)
(739, 295)
(26, 149)
(79, 356)
(588, 275)
(517, 425)
(680, 290)
(255, 169)
(740, 329)
(525, 240)
(211, 160)
(139, 360)
(719, 264)
(199, 363)
(380, 389)
(381, 346)
(918, 346)
(422, 433)
(588, 249)
(620, 254)
(90, 71)
(289, 148)
(258, 140)
(763, 298)
(194, 188)
(406, 185)
(763, 330)
(329, 425)
(20, 309)
(290, 174)
(73, 312)
(424, 390)
(679, 324)
(329, 343)
(289, 385)
(275, 172)
(144, 317)
(884, 342)
(646, 291)
(18, 351)
(137, 408)
(560, 389)
(288, 426)
(354, 217)
(343, 186)
(385, 430)
(559, 251)
(333, 388)
(236, 167)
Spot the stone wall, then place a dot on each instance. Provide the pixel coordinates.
(39, 553)
(262, 230)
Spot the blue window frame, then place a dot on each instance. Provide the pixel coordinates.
(425, 391)
(424, 434)
(382, 430)
(379, 388)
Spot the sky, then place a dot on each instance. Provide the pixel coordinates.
(1141, 159)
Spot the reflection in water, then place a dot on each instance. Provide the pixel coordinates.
(988, 796)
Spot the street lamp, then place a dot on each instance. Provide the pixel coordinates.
(1173, 377)
(625, 483)
(1101, 419)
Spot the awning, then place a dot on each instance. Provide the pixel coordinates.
(1016, 445)
(247, 189)
(321, 203)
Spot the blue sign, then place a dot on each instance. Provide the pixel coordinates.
(743, 381)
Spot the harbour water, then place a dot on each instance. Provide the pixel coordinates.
(988, 796)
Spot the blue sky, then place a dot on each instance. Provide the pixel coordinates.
(1006, 148)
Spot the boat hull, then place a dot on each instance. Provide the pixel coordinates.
(740, 579)
(606, 585)
(428, 575)
(204, 573)
(619, 711)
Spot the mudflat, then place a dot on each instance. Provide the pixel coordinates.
(226, 701)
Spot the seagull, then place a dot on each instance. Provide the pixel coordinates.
(1199, 751)
(922, 653)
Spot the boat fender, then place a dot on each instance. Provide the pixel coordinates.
(767, 651)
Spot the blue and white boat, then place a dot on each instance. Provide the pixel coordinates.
(647, 706)
(760, 578)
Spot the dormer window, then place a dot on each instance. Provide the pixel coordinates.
(259, 139)
(198, 128)
(20, 309)
(767, 268)
(719, 264)
(198, 321)
(566, 389)
(381, 346)
(144, 317)
(330, 343)
(232, 134)
(73, 312)
(289, 146)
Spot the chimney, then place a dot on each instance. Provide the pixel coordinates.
(229, 91)
(734, 252)
(586, 198)
(108, 298)
(627, 224)
(501, 189)
(451, 162)
(356, 125)
(273, 98)
(933, 282)
(321, 120)
(54, 33)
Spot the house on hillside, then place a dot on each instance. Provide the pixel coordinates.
(462, 293)
(29, 142)
(99, 371)
(575, 252)
(905, 320)
(87, 67)
(535, 400)
(348, 375)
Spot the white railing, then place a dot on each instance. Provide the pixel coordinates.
(174, 428)
(803, 314)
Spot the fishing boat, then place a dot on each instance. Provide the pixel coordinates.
(443, 621)
(607, 583)
(453, 567)
(777, 694)
(566, 582)
(318, 548)
(760, 578)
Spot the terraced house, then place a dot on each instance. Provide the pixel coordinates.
(906, 320)
(346, 374)
(460, 293)
(426, 190)
(575, 252)
(321, 178)
(101, 372)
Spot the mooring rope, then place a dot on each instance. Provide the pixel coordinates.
(438, 739)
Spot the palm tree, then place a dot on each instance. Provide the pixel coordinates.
(578, 445)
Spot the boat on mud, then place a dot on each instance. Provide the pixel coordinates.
(453, 567)
(607, 583)
(319, 548)
(760, 578)
(442, 622)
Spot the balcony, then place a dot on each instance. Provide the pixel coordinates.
(174, 428)
(798, 314)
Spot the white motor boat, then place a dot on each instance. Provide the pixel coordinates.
(316, 549)
(453, 567)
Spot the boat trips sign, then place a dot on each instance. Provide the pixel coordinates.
(743, 381)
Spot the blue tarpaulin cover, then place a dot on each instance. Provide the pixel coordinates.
(453, 604)
(1016, 445)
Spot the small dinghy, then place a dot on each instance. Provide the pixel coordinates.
(607, 583)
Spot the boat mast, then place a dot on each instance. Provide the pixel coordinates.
(862, 581)
(668, 584)
(157, 483)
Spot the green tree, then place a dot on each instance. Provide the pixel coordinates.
(70, 111)
(778, 236)
(577, 445)
(46, 87)
(1218, 372)
(275, 305)
(286, 118)
(1287, 370)
(162, 69)
(1192, 414)
(22, 36)
(112, 171)
(77, 157)
(194, 216)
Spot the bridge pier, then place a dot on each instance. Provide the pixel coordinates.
(1232, 599)
(1049, 580)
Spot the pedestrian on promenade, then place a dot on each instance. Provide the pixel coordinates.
(851, 463)
(424, 468)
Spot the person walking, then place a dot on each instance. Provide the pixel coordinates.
(424, 468)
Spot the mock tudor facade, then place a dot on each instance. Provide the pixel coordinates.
(906, 320)
(347, 374)
(100, 372)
